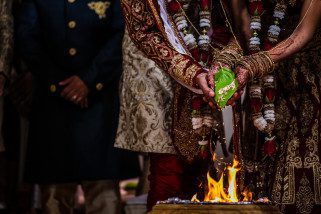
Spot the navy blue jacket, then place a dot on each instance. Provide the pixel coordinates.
(57, 39)
(49, 30)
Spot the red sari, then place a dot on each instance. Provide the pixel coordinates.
(293, 180)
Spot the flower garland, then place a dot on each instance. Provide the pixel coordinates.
(198, 48)
(265, 121)
(202, 122)
(202, 119)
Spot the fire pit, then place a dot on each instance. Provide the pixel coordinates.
(220, 197)
(177, 206)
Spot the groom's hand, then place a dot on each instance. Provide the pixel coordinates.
(208, 92)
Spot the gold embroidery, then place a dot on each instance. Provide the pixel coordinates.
(158, 20)
(298, 128)
(293, 161)
(285, 175)
(184, 137)
(277, 188)
(177, 33)
(317, 184)
(190, 73)
(147, 37)
(164, 52)
(312, 160)
(138, 7)
(310, 79)
(99, 8)
(304, 196)
(178, 66)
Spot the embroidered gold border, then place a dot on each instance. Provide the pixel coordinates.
(158, 19)
(178, 35)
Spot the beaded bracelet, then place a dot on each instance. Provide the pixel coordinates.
(258, 65)
(230, 55)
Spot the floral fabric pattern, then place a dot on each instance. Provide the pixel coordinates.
(146, 95)
(6, 37)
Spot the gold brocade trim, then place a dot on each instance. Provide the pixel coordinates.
(144, 32)
(184, 137)
(190, 73)
(178, 66)
(153, 41)
(157, 19)
(178, 35)
(182, 70)
(100, 8)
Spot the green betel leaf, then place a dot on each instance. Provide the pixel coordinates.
(225, 86)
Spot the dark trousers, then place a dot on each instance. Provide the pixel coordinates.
(100, 197)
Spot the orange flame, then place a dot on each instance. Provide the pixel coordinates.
(247, 194)
(217, 192)
(232, 189)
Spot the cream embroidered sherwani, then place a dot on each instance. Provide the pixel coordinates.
(146, 95)
(6, 47)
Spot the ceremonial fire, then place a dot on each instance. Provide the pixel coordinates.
(219, 192)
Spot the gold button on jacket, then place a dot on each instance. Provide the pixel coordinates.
(53, 88)
(72, 51)
(99, 86)
(72, 24)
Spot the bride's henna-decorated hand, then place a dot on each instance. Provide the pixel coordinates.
(211, 82)
(242, 76)
(211, 75)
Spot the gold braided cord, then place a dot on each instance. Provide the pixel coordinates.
(229, 25)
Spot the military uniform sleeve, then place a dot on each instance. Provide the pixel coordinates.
(145, 29)
(107, 65)
(30, 42)
(6, 37)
